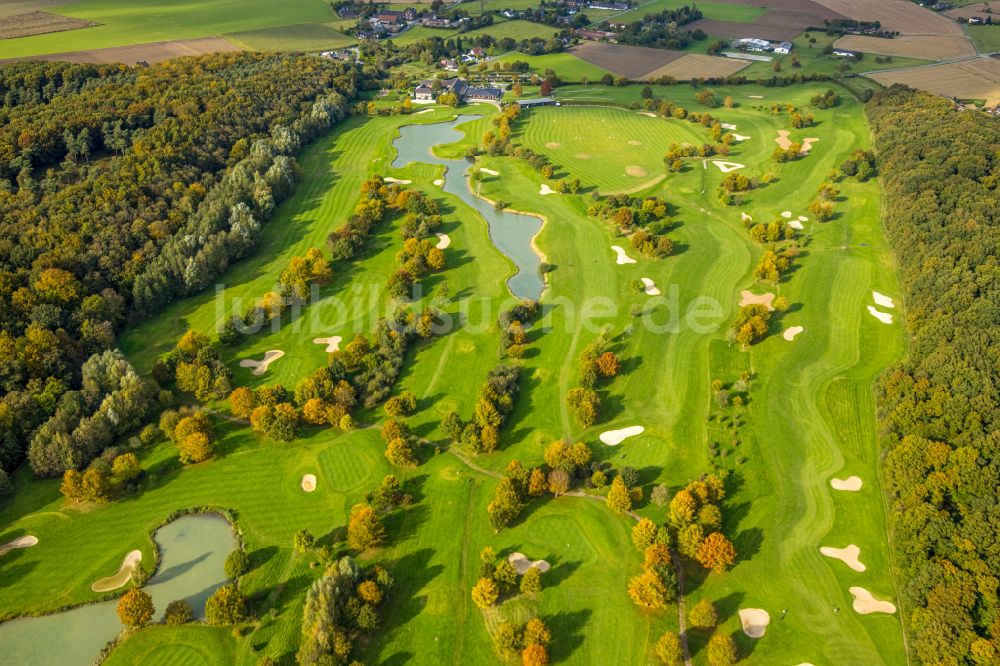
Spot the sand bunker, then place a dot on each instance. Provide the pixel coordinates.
(633, 170)
(785, 142)
(755, 96)
(754, 621)
(390, 179)
(740, 137)
(490, 171)
(803, 218)
(622, 257)
(444, 240)
(309, 483)
(787, 214)
(424, 111)
(726, 167)
(747, 297)
(865, 603)
(332, 343)
(439, 182)
(545, 189)
(848, 555)
(616, 437)
(883, 300)
(123, 576)
(582, 156)
(633, 142)
(260, 367)
(745, 217)
(19, 542)
(791, 332)
(647, 113)
(728, 126)
(521, 563)
(851, 484)
(795, 224)
(650, 287)
(553, 144)
(883, 317)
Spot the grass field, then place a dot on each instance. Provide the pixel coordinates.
(181, 646)
(810, 416)
(124, 22)
(566, 65)
(718, 11)
(302, 37)
(985, 37)
(515, 30)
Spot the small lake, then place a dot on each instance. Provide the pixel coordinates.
(193, 552)
(511, 233)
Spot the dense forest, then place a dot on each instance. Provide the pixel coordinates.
(939, 407)
(124, 189)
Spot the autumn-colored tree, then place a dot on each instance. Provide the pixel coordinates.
(505, 575)
(585, 405)
(400, 452)
(531, 581)
(135, 608)
(126, 466)
(647, 590)
(644, 533)
(485, 593)
(608, 364)
(703, 615)
(558, 482)
(195, 448)
(619, 498)
(72, 485)
(534, 655)
(536, 632)
(242, 402)
(95, 485)
(656, 556)
(227, 605)
(721, 650)
(369, 592)
(537, 482)
(316, 411)
(668, 650)
(364, 528)
(716, 552)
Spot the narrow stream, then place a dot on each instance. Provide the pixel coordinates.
(511, 233)
(193, 551)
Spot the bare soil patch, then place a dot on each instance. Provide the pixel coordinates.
(903, 16)
(969, 79)
(926, 47)
(634, 62)
(14, 7)
(698, 66)
(637, 171)
(39, 23)
(151, 53)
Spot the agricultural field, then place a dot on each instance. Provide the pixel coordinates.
(123, 23)
(151, 52)
(517, 30)
(640, 63)
(985, 37)
(809, 417)
(38, 23)
(977, 79)
(721, 11)
(302, 37)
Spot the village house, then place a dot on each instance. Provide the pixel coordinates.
(460, 88)
(597, 35)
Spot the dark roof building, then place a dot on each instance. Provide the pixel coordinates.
(484, 94)
(536, 101)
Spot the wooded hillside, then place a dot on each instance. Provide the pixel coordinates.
(939, 408)
(124, 189)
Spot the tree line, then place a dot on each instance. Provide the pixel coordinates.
(937, 408)
(124, 189)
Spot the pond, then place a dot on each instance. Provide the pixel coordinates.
(193, 551)
(511, 233)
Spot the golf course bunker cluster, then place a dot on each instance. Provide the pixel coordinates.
(474, 334)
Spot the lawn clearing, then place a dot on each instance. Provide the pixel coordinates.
(616, 165)
(151, 53)
(191, 645)
(565, 64)
(986, 37)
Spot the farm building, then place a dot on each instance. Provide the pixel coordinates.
(752, 44)
(783, 47)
